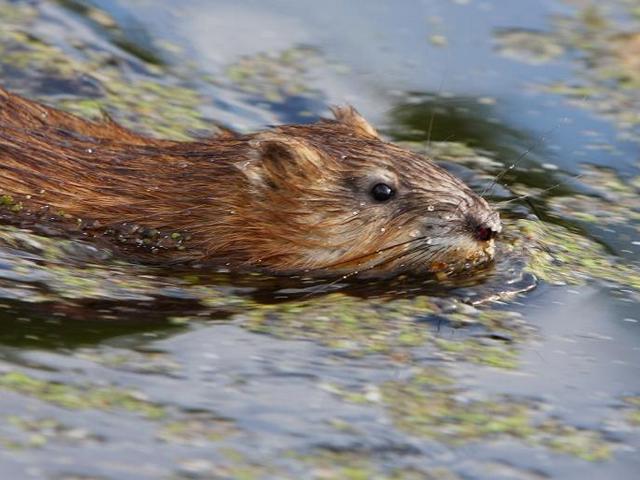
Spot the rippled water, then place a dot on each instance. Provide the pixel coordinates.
(527, 370)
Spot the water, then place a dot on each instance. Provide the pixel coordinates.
(527, 370)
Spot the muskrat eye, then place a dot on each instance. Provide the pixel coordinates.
(381, 192)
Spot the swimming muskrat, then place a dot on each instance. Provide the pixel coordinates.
(327, 198)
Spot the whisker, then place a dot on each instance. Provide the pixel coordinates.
(521, 157)
(384, 261)
(376, 252)
(553, 187)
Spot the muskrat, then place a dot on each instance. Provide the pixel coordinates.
(330, 197)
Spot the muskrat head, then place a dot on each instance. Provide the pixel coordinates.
(335, 197)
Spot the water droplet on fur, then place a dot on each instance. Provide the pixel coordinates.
(383, 229)
(431, 208)
(89, 150)
(356, 212)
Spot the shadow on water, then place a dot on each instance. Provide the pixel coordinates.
(128, 34)
(54, 325)
(428, 116)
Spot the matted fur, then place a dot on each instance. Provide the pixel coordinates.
(289, 199)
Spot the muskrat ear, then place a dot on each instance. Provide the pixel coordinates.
(350, 117)
(274, 157)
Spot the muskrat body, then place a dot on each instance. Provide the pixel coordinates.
(326, 198)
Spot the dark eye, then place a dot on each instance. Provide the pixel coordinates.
(381, 192)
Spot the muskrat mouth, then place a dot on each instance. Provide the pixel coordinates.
(463, 263)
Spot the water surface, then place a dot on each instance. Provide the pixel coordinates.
(528, 370)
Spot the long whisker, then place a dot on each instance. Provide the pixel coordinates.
(553, 187)
(433, 111)
(376, 252)
(521, 157)
(384, 261)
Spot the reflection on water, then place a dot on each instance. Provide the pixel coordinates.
(113, 370)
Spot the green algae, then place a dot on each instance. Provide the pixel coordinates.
(437, 414)
(563, 257)
(633, 415)
(163, 105)
(346, 323)
(274, 77)
(607, 50)
(456, 152)
(99, 18)
(348, 465)
(233, 464)
(528, 46)
(429, 407)
(481, 352)
(144, 362)
(80, 397)
(39, 432)
(566, 439)
(615, 201)
(196, 429)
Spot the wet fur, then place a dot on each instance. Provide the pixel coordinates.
(289, 199)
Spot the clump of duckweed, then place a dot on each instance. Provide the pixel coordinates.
(419, 408)
(607, 51)
(428, 405)
(232, 464)
(347, 465)
(456, 152)
(146, 362)
(275, 77)
(166, 107)
(562, 257)
(8, 203)
(196, 429)
(480, 351)
(38, 432)
(585, 444)
(528, 46)
(346, 323)
(634, 413)
(617, 202)
(80, 397)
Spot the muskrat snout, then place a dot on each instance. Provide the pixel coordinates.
(483, 228)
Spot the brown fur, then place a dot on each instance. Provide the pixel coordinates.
(289, 199)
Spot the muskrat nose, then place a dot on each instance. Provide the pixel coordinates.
(484, 233)
(484, 229)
